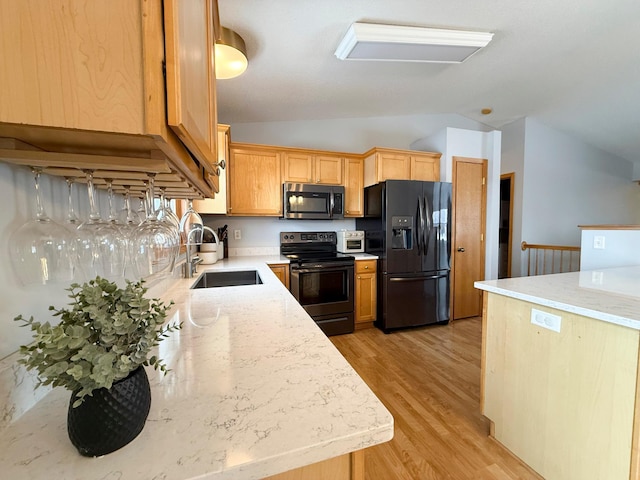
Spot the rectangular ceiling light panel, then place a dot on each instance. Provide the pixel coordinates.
(393, 43)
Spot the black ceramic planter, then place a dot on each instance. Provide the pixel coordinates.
(110, 419)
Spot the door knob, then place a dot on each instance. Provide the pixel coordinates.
(461, 249)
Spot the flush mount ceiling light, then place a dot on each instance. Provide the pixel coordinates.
(395, 43)
(231, 54)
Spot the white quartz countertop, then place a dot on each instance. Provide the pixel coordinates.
(255, 389)
(611, 295)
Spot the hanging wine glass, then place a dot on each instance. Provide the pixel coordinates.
(41, 249)
(191, 228)
(170, 213)
(154, 245)
(72, 221)
(112, 218)
(101, 246)
(127, 215)
(142, 205)
(165, 214)
(168, 218)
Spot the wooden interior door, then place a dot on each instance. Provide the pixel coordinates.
(468, 248)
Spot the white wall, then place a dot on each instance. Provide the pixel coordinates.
(569, 183)
(620, 248)
(563, 183)
(261, 235)
(354, 135)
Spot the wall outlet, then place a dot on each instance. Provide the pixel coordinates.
(237, 234)
(597, 278)
(598, 242)
(546, 320)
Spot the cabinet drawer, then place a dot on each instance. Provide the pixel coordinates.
(366, 266)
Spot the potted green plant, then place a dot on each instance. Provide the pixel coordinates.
(98, 351)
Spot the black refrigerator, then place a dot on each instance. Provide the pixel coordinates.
(408, 225)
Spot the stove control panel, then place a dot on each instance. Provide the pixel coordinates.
(307, 237)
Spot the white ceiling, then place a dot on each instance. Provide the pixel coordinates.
(572, 64)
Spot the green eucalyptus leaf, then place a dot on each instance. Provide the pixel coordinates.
(105, 333)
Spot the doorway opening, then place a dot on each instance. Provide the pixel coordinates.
(506, 225)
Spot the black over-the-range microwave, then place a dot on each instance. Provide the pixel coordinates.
(316, 202)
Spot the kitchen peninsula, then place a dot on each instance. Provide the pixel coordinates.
(560, 371)
(255, 389)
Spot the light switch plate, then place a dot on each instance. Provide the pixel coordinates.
(598, 242)
(546, 320)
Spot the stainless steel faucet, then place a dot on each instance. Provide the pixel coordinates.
(191, 263)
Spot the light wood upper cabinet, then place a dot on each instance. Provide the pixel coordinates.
(191, 105)
(382, 164)
(254, 182)
(83, 86)
(302, 167)
(298, 168)
(354, 186)
(218, 204)
(425, 167)
(328, 169)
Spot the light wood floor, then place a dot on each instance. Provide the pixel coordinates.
(429, 379)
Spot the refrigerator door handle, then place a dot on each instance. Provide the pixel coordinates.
(415, 279)
(448, 225)
(420, 227)
(429, 225)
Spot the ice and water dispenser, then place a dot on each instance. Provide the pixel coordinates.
(402, 232)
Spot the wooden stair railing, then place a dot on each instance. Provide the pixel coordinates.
(546, 259)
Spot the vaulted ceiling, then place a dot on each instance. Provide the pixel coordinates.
(572, 64)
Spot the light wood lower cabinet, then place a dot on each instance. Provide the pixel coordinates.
(366, 293)
(564, 402)
(344, 467)
(282, 272)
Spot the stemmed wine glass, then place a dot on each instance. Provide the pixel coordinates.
(112, 218)
(41, 249)
(72, 220)
(165, 214)
(128, 216)
(100, 245)
(191, 228)
(154, 245)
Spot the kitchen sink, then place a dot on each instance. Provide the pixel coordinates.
(227, 279)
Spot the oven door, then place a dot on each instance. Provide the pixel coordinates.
(323, 289)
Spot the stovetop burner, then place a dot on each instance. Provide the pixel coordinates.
(319, 257)
(311, 247)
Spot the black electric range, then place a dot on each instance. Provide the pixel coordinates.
(321, 279)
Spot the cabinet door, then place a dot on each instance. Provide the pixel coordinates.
(393, 166)
(328, 170)
(297, 168)
(365, 291)
(254, 183)
(191, 109)
(218, 204)
(425, 167)
(354, 187)
(282, 272)
(73, 65)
